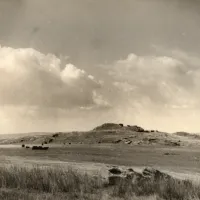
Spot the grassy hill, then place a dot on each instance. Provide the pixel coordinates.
(108, 133)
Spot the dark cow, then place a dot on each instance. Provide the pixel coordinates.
(39, 148)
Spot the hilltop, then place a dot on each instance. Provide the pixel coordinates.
(108, 133)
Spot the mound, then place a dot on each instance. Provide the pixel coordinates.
(111, 126)
(108, 126)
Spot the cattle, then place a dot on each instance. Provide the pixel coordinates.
(39, 148)
(23, 145)
(27, 147)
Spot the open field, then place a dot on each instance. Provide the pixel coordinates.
(175, 154)
(98, 157)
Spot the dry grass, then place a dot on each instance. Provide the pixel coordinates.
(49, 180)
(20, 183)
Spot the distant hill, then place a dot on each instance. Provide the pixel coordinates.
(189, 135)
(108, 133)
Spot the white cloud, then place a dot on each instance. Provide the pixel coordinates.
(126, 87)
(161, 80)
(38, 91)
(159, 92)
(28, 77)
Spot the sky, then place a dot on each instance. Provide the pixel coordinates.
(75, 64)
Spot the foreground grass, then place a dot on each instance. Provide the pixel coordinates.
(20, 183)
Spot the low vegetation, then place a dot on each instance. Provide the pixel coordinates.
(59, 184)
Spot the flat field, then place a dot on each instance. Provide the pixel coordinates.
(58, 173)
(181, 160)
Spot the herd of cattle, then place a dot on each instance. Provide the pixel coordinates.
(41, 147)
(35, 147)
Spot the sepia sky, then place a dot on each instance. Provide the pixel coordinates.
(75, 64)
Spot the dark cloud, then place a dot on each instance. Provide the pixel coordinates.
(94, 31)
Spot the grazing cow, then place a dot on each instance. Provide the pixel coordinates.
(27, 147)
(39, 148)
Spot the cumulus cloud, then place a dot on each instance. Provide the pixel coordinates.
(157, 91)
(28, 77)
(124, 86)
(40, 92)
(164, 81)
